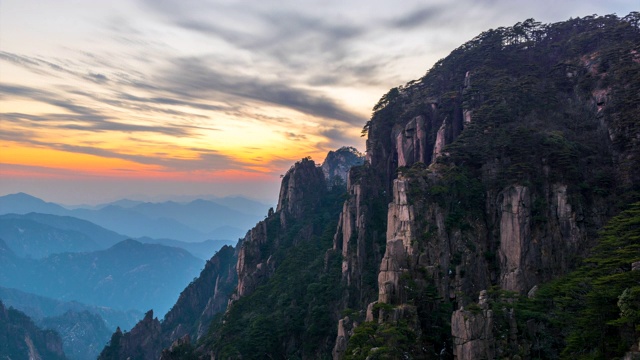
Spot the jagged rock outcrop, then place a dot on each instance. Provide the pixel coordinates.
(253, 265)
(337, 164)
(472, 332)
(399, 250)
(198, 303)
(360, 240)
(20, 338)
(143, 341)
(301, 190)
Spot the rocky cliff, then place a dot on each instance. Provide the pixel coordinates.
(502, 184)
(20, 338)
(473, 220)
(190, 317)
(337, 164)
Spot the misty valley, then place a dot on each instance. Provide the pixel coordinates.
(74, 270)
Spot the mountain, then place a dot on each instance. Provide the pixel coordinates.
(135, 224)
(129, 275)
(337, 163)
(203, 215)
(40, 307)
(198, 304)
(39, 235)
(103, 237)
(123, 203)
(237, 203)
(20, 338)
(203, 250)
(29, 238)
(84, 329)
(83, 333)
(496, 216)
(195, 221)
(22, 203)
(242, 204)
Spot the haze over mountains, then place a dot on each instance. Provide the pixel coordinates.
(197, 220)
(83, 271)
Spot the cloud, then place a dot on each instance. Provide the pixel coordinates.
(295, 137)
(418, 17)
(38, 66)
(98, 78)
(191, 77)
(172, 101)
(301, 43)
(82, 117)
(88, 123)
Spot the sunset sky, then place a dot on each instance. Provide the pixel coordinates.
(101, 100)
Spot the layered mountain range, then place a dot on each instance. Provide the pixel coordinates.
(193, 221)
(82, 280)
(496, 216)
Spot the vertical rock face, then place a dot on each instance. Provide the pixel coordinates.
(472, 332)
(400, 235)
(301, 190)
(440, 141)
(360, 239)
(253, 264)
(515, 237)
(466, 112)
(411, 142)
(530, 253)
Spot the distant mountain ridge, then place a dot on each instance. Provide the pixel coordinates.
(128, 275)
(194, 221)
(39, 307)
(39, 235)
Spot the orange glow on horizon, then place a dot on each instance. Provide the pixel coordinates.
(17, 161)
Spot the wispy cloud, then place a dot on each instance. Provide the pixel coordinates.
(191, 77)
(80, 118)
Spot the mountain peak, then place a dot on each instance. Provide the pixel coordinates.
(337, 164)
(23, 203)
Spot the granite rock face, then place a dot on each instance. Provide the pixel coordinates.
(22, 339)
(337, 164)
(472, 332)
(198, 303)
(301, 190)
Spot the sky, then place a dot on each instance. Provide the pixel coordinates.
(149, 99)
